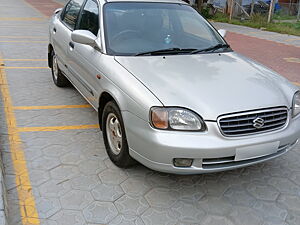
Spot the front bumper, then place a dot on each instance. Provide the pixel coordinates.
(211, 151)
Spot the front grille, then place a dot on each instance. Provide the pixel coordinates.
(239, 124)
(215, 161)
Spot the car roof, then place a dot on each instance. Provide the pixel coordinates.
(156, 1)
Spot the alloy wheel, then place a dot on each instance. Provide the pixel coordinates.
(114, 133)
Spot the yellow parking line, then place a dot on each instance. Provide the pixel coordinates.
(57, 128)
(293, 39)
(22, 26)
(296, 83)
(25, 195)
(23, 37)
(292, 60)
(22, 67)
(23, 41)
(21, 18)
(25, 60)
(51, 107)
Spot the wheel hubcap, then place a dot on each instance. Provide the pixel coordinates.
(55, 67)
(114, 133)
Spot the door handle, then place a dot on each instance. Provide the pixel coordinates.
(71, 44)
(54, 30)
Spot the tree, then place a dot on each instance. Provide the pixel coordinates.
(298, 15)
(200, 5)
(271, 11)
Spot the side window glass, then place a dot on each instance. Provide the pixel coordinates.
(71, 13)
(90, 17)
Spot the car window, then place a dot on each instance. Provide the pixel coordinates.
(90, 17)
(71, 13)
(135, 27)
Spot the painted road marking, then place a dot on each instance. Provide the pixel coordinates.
(296, 83)
(293, 39)
(22, 67)
(23, 26)
(254, 32)
(51, 107)
(261, 32)
(57, 128)
(25, 60)
(27, 205)
(45, 37)
(21, 18)
(23, 41)
(292, 60)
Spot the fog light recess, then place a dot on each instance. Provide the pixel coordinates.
(181, 162)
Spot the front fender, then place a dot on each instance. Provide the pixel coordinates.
(129, 93)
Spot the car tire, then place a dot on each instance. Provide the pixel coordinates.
(114, 136)
(58, 78)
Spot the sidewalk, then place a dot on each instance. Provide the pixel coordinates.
(266, 35)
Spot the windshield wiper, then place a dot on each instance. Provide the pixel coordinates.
(167, 51)
(212, 48)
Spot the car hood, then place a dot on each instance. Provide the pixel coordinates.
(210, 84)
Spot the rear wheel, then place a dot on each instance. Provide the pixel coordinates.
(58, 78)
(114, 136)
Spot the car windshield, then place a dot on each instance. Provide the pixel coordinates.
(133, 28)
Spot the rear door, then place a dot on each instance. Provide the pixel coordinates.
(84, 60)
(62, 28)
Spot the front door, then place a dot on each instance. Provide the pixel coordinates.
(84, 59)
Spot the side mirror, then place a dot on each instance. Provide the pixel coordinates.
(84, 37)
(222, 32)
(57, 10)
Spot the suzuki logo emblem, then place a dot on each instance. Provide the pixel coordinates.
(258, 123)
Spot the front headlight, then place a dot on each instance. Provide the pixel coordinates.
(296, 104)
(176, 119)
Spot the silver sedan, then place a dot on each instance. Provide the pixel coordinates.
(170, 92)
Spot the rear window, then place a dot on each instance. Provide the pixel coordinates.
(71, 13)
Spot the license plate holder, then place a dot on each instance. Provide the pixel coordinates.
(255, 151)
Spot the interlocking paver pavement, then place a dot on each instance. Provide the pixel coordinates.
(74, 183)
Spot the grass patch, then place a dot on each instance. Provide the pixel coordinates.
(281, 16)
(260, 21)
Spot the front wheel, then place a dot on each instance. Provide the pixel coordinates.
(114, 136)
(58, 78)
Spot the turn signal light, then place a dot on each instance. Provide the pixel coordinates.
(160, 118)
